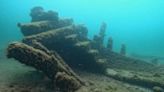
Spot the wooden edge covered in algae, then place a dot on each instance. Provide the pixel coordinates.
(137, 78)
(52, 66)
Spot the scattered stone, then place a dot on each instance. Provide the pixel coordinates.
(157, 89)
(156, 75)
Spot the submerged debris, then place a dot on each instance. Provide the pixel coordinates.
(38, 14)
(155, 61)
(110, 44)
(50, 43)
(158, 89)
(52, 65)
(98, 40)
(137, 78)
(123, 49)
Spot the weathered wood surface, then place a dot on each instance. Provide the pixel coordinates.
(72, 45)
(50, 64)
(145, 79)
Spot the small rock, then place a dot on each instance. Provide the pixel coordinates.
(24, 90)
(11, 85)
(157, 89)
(156, 75)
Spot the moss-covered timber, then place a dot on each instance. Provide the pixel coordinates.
(52, 65)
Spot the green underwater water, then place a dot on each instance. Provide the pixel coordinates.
(137, 23)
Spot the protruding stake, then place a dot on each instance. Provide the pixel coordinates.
(110, 44)
(123, 49)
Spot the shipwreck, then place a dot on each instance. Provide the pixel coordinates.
(57, 47)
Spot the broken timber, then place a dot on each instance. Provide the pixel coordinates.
(52, 65)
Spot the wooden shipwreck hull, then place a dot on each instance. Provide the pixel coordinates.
(54, 46)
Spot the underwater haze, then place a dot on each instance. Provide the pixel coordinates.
(137, 23)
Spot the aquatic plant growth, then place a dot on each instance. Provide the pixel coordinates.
(57, 47)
